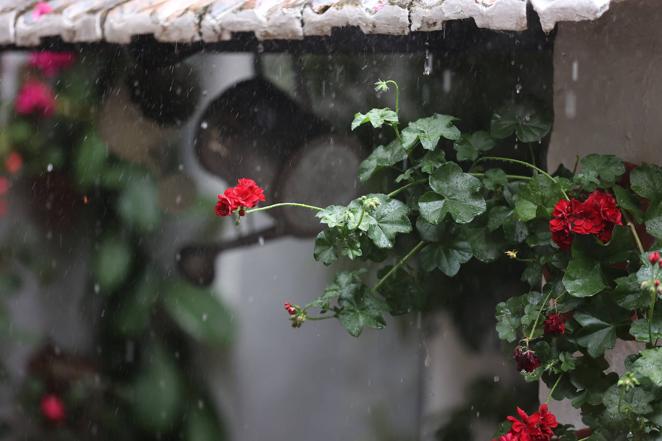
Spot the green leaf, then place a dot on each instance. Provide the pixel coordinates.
(508, 318)
(135, 310)
(90, 160)
(138, 205)
(627, 202)
(198, 313)
(385, 221)
(461, 190)
(432, 160)
(646, 181)
(429, 131)
(495, 178)
(526, 210)
(157, 393)
(202, 425)
(112, 263)
(596, 170)
(639, 328)
(365, 312)
(654, 221)
(376, 117)
(402, 291)
(524, 121)
(583, 277)
(337, 216)
(485, 246)
(619, 403)
(325, 250)
(498, 216)
(432, 207)
(470, 146)
(628, 293)
(648, 366)
(446, 256)
(380, 158)
(600, 320)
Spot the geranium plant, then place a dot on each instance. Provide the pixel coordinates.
(587, 237)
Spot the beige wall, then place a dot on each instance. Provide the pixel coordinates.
(608, 85)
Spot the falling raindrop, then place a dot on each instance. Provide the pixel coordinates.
(204, 317)
(570, 107)
(575, 70)
(204, 125)
(49, 168)
(260, 241)
(518, 88)
(447, 80)
(97, 288)
(496, 378)
(427, 65)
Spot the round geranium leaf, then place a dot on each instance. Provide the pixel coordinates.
(461, 191)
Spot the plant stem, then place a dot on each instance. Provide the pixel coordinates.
(651, 312)
(358, 224)
(284, 204)
(404, 187)
(535, 323)
(319, 317)
(525, 164)
(633, 230)
(551, 391)
(513, 177)
(397, 266)
(397, 96)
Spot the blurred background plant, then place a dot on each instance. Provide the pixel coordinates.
(87, 194)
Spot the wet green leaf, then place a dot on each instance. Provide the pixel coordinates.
(461, 193)
(376, 117)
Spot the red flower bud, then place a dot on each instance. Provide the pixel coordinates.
(654, 257)
(52, 408)
(291, 310)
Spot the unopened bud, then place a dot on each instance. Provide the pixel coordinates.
(371, 203)
(654, 257)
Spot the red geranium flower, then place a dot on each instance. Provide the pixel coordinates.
(536, 427)
(51, 63)
(555, 324)
(246, 194)
(35, 98)
(597, 215)
(52, 408)
(654, 257)
(526, 359)
(291, 310)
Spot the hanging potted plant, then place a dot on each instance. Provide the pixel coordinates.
(576, 231)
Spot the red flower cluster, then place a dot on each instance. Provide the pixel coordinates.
(246, 194)
(597, 215)
(536, 427)
(35, 98)
(526, 359)
(654, 257)
(51, 63)
(52, 408)
(555, 324)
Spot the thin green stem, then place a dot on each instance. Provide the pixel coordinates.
(319, 317)
(512, 177)
(397, 95)
(551, 391)
(397, 266)
(535, 323)
(584, 439)
(284, 204)
(651, 312)
(404, 187)
(525, 164)
(532, 153)
(633, 230)
(358, 224)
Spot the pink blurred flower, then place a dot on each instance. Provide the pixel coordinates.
(41, 8)
(51, 63)
(14, 162)
(4, 185)
(35, 98)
